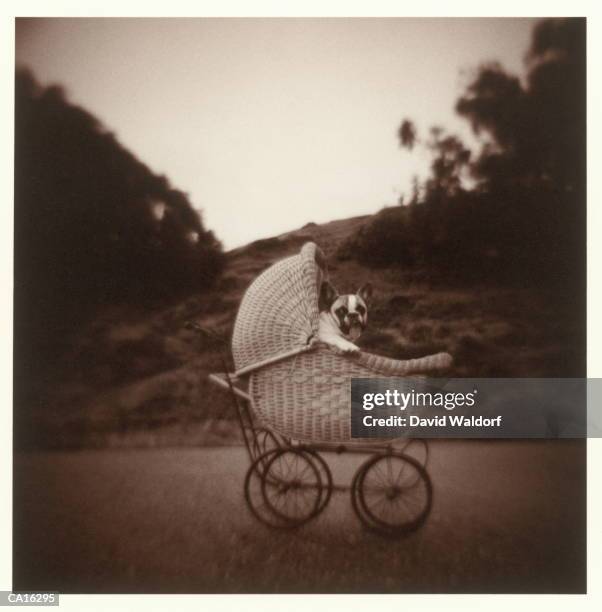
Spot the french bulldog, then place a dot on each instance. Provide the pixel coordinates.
(342, 317)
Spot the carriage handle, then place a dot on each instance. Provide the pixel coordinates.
(242, 413)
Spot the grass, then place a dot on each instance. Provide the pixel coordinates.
(140, 378)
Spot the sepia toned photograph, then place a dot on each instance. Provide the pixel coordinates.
(219, 224)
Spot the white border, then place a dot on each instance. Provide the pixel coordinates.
(425, 8)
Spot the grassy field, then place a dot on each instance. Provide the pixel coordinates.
(138, 378)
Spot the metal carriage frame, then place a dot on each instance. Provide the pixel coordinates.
(289, 483)
(291, 397)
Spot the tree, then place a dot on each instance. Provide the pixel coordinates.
(86, 229)
(536, 131)
(450, 159)
(523, 217)
(407, 134)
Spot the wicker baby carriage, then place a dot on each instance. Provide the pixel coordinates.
(293, 401)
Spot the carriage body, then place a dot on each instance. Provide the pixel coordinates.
(293, 399)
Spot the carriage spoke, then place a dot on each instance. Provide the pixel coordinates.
(399, 474)
(380, 477)
(382, 498)
(305, 470)
(389, 468)
(291, 486)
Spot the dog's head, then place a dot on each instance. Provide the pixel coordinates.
(350, 311)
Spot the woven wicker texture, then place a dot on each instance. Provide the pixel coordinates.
(279, 311)
(306, 396)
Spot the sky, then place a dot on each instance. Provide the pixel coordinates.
(270, 123)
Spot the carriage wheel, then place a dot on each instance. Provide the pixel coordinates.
(326, 476)
(254, 493)
(292, 487)
(263, 441)
(392, 493)
(417, 448)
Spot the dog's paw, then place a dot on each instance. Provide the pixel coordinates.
(348, 348)
(339, 349)
(340, 346)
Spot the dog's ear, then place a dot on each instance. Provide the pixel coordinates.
(328, 294)
(365, 292)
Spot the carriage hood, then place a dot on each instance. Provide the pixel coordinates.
(279, 311)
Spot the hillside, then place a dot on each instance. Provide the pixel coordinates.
(139, 377)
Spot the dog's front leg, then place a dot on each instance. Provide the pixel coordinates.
(343, 345)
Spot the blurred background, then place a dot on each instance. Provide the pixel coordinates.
(162, 164)
(481, 251)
